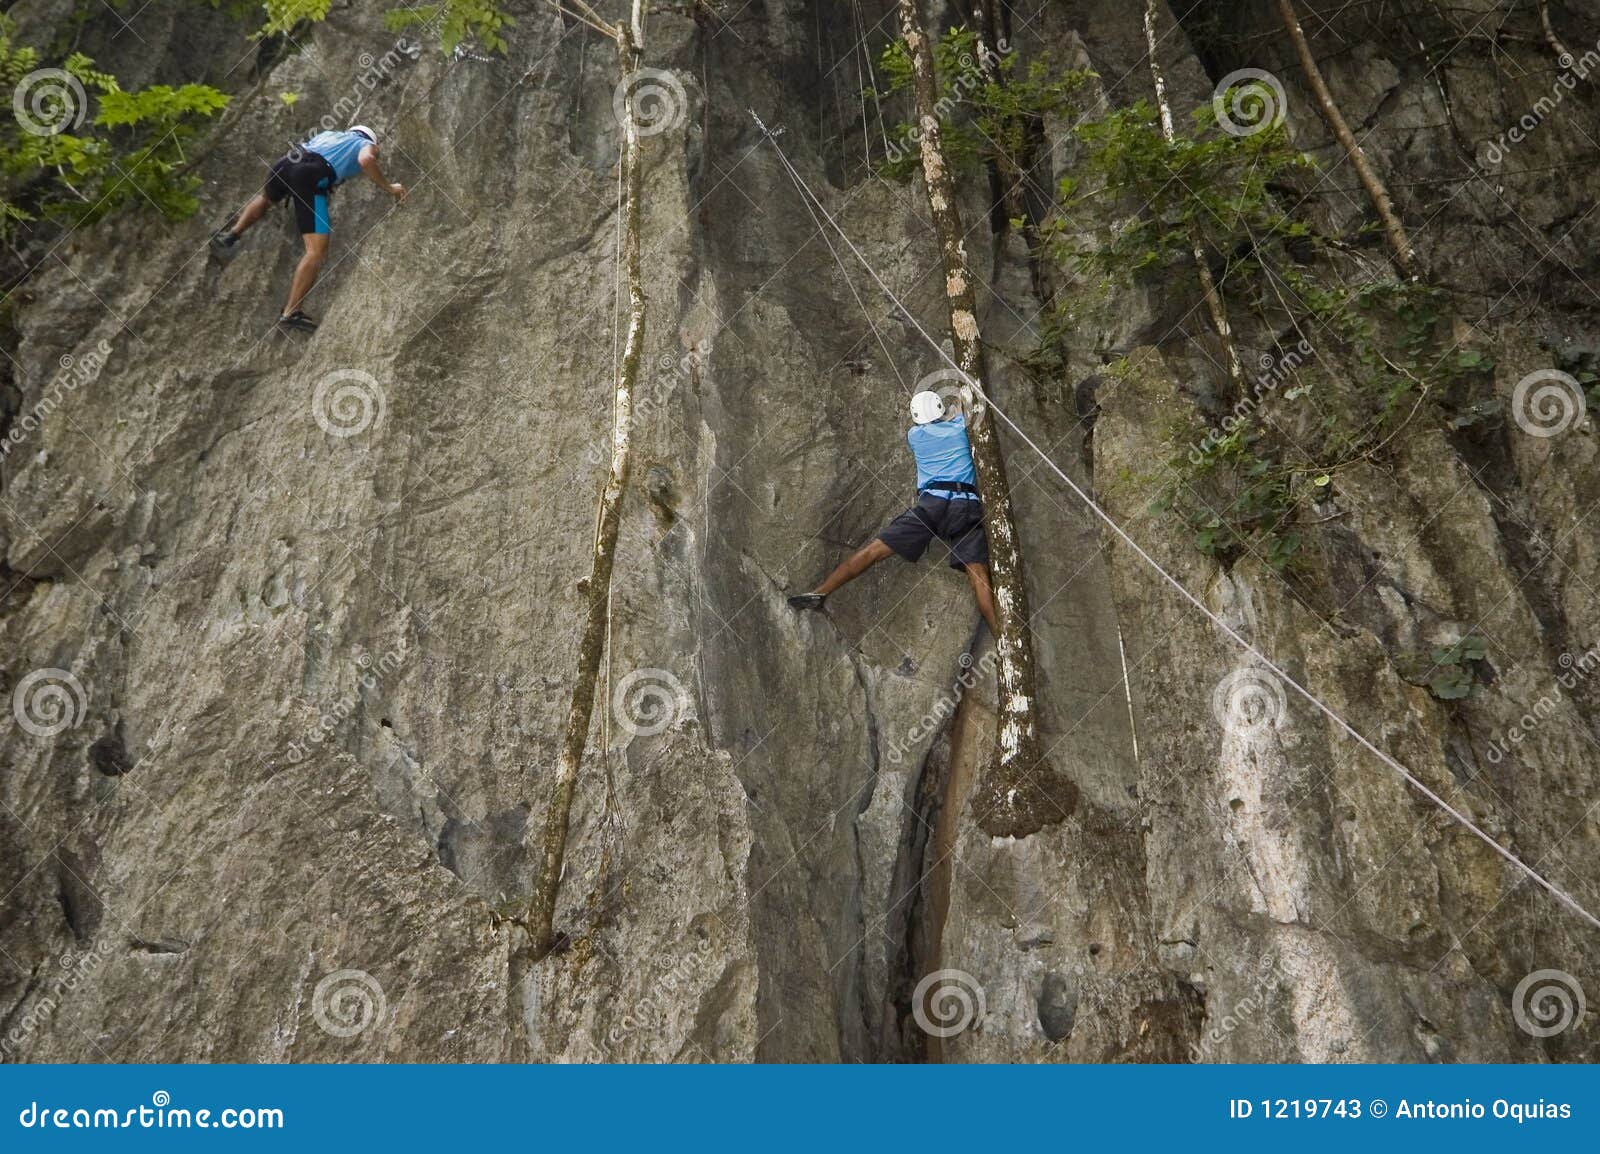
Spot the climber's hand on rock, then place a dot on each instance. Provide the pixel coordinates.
(399, 191)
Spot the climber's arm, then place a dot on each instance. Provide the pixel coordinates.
(370, 166)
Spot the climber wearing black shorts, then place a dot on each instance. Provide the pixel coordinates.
(306, 177)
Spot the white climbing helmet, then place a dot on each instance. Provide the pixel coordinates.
(926, 408)
(365, 131)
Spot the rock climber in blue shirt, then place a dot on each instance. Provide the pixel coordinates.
(306, 176)
(948, 507)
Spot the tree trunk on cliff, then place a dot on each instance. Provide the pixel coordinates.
(1405, 256)
(1208, 285)
(1017, 794)
(1564, 58)
(597, 590)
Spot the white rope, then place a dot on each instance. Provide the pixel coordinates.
(1560, 894)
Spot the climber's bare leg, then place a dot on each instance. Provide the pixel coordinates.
(855, 565)
(250, 213)
(978, 574)
(305, 273)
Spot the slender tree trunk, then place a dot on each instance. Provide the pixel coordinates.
(1400, 247)
(1552, 38)
(1215, 305)
(1017, 794)
(597, 591)
(1012, 168)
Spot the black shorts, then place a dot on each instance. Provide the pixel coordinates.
(958, 523)
(304, 179)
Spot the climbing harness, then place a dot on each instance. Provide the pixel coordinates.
(810, 197)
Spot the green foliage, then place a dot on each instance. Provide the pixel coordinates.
(1449, 671)
(56, 163)
(1206, 186)
(981, 115)
(284, 15)
(457, 21)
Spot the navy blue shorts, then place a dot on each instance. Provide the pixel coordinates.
(303, 178)
(958, 523)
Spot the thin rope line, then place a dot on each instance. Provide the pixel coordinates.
(1560, 894)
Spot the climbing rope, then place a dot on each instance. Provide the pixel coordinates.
(807, 195)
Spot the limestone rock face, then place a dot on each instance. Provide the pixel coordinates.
(287, 623)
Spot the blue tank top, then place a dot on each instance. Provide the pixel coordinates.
(342, 151)
(943, 453)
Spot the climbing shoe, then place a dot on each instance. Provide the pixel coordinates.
(225, 244)
(808, 600)
(298, 320)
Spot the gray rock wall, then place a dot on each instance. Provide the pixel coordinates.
(321, 672)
